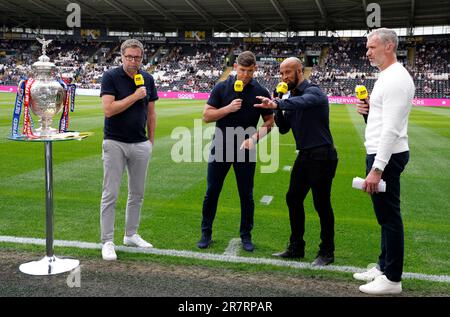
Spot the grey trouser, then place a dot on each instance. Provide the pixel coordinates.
(116, 156)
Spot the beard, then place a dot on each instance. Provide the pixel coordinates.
(376, 61)
(292, 85)
(132, 69)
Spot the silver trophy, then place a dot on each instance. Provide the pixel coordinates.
(47, 94)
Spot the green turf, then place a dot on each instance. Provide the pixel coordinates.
(171, 212)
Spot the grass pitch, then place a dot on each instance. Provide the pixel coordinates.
(171, 213)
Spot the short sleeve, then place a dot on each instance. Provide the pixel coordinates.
(215, 98)
(107, 87)
(152, 94)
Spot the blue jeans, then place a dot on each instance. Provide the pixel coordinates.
(387, 211)
(217, 171)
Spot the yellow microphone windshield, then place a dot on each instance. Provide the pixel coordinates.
(139, 80)
(238, 86)
(282, 87)
(361, 92)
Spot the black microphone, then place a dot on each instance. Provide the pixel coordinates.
(238, 88)
(361, 94)
(139, 80)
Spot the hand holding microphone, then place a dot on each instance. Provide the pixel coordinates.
(363, 104)
(238, 88)
(236, 104)
(141, 91)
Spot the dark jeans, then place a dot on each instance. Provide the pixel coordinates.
(315, 170)
(387, 211)
(217, 171)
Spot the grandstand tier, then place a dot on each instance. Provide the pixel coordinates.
(196, 67)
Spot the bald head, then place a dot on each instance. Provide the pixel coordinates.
(292, 62)
(291, 72)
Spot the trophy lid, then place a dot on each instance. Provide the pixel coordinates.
(43, 65)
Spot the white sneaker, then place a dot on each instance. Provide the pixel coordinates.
(369, 275)
(108, 252)
(136, 241)
(381, 285)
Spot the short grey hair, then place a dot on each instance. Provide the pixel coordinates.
(131, 43)
(386, 35)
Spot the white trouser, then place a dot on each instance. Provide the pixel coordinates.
(116, 157)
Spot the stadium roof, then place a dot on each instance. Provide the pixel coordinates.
(222, 15)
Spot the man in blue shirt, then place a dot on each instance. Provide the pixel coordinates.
(306, 112)
(129, 112)
(234, 144)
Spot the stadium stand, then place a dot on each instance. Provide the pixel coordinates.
(190, 68)
(196, 67)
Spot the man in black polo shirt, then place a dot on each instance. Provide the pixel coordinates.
(129, 111)
(234, 144)
(306, 112)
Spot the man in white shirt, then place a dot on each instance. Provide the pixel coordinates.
(387, 155)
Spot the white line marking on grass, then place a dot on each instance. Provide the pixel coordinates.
(219, 257)
(266, 200)
(233, 247)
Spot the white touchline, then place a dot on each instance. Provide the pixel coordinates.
(219, 257)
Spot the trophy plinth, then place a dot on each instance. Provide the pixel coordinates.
(46, 93)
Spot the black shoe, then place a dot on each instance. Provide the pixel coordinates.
(323, 259)
(294, 250)
(247, 245)
(205, 241)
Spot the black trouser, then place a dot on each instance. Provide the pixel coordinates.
(313, 169)
(387, 211)
(217, 171)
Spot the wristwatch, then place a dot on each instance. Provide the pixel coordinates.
(377, 170)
